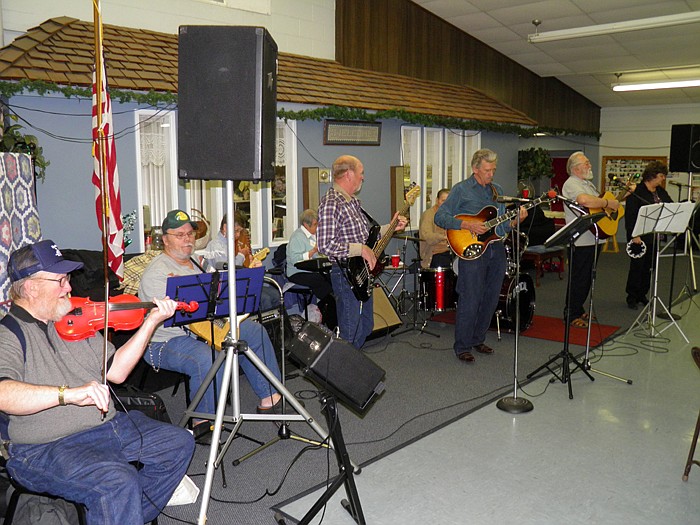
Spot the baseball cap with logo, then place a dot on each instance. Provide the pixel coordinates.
(177, 218)
(42, 256)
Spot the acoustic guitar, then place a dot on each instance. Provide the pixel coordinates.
(607, 226)
(219, 327)
(469, 246)
(357, 272)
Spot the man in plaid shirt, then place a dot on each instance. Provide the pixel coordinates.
(342, 231)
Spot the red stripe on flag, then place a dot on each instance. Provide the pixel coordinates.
(115, 238)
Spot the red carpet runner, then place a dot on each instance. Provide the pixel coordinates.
(551, 329)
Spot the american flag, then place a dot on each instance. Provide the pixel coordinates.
(103, 139)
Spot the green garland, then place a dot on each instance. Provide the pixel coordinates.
(153, 98)
(342, 113)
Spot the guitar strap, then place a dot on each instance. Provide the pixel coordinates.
(372, 222)
(494, 192)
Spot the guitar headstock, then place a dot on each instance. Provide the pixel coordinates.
(412, 193)
(261, 254)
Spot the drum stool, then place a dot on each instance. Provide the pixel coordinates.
(539, 255)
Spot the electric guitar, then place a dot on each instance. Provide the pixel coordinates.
(357, 272)
(469, 246)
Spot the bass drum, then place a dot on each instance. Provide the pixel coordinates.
(437, 286)
(510, 290)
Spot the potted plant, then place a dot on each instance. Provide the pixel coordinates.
(534, 163)
(14, 141)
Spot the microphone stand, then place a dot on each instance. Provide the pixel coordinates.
(514, 404)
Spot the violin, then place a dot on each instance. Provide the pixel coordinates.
(243, 244)
(126, 312)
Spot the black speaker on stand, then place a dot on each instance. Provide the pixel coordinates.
(227, 103)
(685, 148)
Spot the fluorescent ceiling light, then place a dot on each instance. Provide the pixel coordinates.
(616, 27)
(662, 84)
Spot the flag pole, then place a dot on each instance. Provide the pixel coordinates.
(99, 149)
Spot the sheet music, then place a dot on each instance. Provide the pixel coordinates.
(665, 217)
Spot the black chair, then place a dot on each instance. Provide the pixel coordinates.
(18, 490)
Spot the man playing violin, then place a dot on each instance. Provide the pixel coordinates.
(65, 437)
(173, 349)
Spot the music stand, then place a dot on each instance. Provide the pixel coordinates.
(664, 217)
(568, 235)
(212, 290)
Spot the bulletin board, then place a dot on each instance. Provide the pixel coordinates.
(623, 168)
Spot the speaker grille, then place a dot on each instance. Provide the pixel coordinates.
(227, 98)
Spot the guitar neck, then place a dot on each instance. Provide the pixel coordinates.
(513, 213)
(384, 241)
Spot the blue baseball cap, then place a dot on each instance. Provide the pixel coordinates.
(47, 258)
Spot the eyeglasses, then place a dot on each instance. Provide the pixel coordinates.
(181, 236)
(61, 282)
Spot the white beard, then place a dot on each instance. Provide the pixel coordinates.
(588, 175)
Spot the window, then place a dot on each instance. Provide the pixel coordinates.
(282, 192)
(435, 159)
(156, 175)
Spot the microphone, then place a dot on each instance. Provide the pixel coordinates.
(679, 184)
(504, 198)
(568, 201)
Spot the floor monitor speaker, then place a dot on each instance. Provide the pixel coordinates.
(337, 366)
(386, 319)
(227, 103)
(685, 148)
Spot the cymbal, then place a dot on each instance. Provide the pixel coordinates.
(408, 238)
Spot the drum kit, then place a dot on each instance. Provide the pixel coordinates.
(436, 289)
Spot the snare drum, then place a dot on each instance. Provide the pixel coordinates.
(511, 288)
(437, 288)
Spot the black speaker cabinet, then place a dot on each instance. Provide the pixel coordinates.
(337, 366)
(227, 103)
(685, 148)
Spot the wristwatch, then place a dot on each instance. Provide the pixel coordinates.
(61, 392)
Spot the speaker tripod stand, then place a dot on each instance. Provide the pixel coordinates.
(345, 477)
(283, 432)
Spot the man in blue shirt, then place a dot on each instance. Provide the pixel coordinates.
(480, 279)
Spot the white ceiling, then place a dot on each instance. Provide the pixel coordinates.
(588, 65)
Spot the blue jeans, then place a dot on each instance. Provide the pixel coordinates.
(190, 356)
(478, 285)
(93, 468)
(354, 326)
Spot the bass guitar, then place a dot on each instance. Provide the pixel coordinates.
(357, 271)
(469, 246)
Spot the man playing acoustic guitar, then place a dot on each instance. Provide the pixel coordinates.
(480, 275)
(578, 187)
